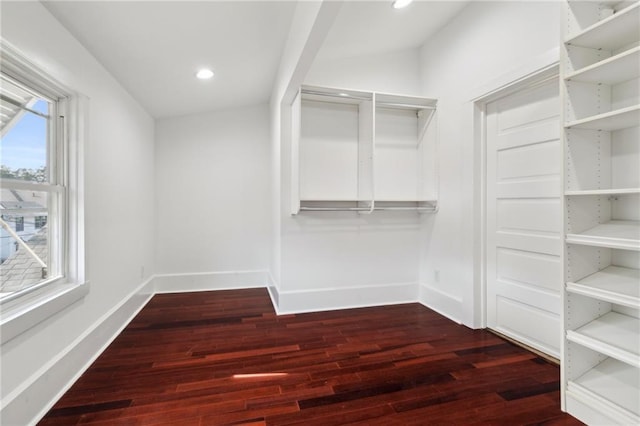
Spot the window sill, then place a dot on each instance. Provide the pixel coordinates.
(20, 315)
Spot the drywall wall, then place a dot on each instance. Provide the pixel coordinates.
(119, 203)
(393, 72)
(485, 41)
(310, 25)
(335, 260)
(213, 203)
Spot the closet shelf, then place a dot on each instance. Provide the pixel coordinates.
(614, 335)
(618, 30)
(613, 284)
(423, 206)
(620, 191)
(613, 385)
(613, 120)
(617, 234)
(613, 70)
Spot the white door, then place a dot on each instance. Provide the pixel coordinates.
(524, 219)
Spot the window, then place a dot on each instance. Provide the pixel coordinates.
(40, 221)
(41, 192)
(32, 167)
(19, 224)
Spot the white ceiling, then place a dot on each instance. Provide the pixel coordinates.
(374, 27)
(155, 47)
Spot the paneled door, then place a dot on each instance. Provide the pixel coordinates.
(524, 219)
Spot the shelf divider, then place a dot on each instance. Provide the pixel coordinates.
(614, 284)
(616, 69)
(611, 386)
(618, 234)
(619, 191)
(614, 335)
(616, 31)
(612, 120)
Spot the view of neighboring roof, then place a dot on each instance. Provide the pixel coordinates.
(12, 105)
(12, 201)
(21, 270)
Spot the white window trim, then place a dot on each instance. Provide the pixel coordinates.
(22, 313)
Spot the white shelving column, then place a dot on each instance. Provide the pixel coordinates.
(601, 113)
(405, 166)
(363, 151)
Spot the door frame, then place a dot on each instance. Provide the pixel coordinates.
(537, 71)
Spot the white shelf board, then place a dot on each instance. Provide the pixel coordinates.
(611, 383)
(614, 335)
(613, 284)
(620, 191)
(613, 70)
(613, 120)
(620, 234)
(334, 95)
(403, 200)
(413, 102)
(618, 30)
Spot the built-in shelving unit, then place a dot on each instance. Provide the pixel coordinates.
(616, 69)
(613, 120)
(600, 67)
(613, 284)
(617, 191)
(619, 234)
(609, 387)
(363, 152)
(618, 28)
(613, 334)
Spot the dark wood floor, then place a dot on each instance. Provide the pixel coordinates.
(225, 358)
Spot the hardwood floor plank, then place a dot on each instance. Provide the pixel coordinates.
(225, 357)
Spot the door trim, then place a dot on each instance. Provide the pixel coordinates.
(537, 71)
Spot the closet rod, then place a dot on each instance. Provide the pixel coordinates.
(407, 208)
(335, 209)
(334, 95)
(360, 209)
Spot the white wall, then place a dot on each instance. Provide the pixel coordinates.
(486, 40)
(310, 25)
(213, 201)
(394, 72)
(119, 197)
(337, 260)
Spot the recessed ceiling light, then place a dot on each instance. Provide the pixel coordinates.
(399, 4)
(204, 74)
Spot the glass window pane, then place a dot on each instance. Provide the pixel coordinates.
(23, 215)
(24, 133)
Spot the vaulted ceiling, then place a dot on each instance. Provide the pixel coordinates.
(154, 48)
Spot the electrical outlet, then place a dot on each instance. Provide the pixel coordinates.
(142, 272)
(436, 275)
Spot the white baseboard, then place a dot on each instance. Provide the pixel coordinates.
(295, 302)
(443, 303)
(208, 281)
(27, 404)
(272, 288)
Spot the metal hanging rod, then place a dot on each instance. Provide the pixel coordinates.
(364, 209)
(335, 209)
(431, 209)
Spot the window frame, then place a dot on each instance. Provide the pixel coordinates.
(28, 307)
(54, 186)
